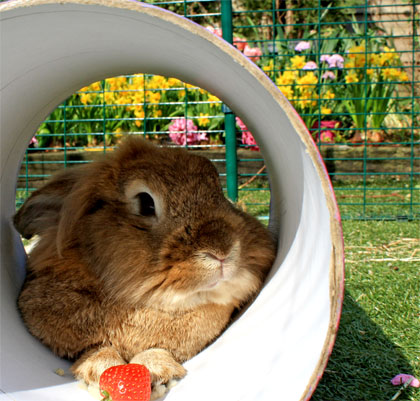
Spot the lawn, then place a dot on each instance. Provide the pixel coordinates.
(380, 325)
(374, 198)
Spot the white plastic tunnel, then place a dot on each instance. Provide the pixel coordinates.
(279, 347)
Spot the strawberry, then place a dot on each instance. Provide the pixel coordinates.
(129, 382)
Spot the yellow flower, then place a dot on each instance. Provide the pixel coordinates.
(139, 113)
(174, 82)
(351, 77)
(112, 82)
(269, 66)
(109, 97)
(157, 82)
(301, 103)
(325, 110)
(356, 51)
(86, 98)
(307, 82)
(213, 98)
(96, 86)
(138, 97)
(329, 95)
(121, 81)
(203, 120)
(137, 82)
(357, 55)
(153, 97)
(287, 91)
(306, 99)
(388, 56)
(122, 100)
(118, 132)
(403, 77)
(287, 78)
(374, 60)
(298, 62)
(390, 73)
(349, 64)
(116, 83)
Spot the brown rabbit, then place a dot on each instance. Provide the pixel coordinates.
(140, 259)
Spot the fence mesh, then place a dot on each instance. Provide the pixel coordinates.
(350, 68)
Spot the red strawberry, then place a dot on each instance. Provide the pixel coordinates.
(129, 382)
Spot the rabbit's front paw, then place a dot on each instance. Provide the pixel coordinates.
(92, 364)
(164, 370)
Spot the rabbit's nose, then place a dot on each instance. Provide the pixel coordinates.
(219, 258)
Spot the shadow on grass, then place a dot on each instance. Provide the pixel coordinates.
(363, 361)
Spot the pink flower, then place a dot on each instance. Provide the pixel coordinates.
(183, 131)
(334, 61)
(310, 65)
(302, 46)
(326, 134)
(239, 43)
(247, 138)
(34, 142)
(254, 53)
(324, 58)
(327, 124)
(328, 75)
(403, 378)
(215, 31)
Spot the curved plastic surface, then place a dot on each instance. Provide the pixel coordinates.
(279, 347)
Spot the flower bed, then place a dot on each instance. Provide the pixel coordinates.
(345, 92)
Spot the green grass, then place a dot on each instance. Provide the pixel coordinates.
(378, 198)
(374, 198)
(379, 330)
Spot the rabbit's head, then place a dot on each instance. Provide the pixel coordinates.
(154, 226)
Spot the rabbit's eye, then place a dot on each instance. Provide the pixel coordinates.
(146, 205)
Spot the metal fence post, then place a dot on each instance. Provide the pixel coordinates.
(230, 129)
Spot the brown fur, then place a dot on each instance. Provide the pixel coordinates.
(107, 283)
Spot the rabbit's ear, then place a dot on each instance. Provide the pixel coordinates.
(96, 188)
(41, 210)
(81, 201)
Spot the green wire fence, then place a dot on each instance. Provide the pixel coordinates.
(350, 68)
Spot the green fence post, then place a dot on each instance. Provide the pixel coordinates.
(230, 129)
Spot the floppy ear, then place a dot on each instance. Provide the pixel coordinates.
(81, 201)
(94, 189)
(41, 210)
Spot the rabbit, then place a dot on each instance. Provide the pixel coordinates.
(140, 259)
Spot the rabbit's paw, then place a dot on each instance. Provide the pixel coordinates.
(93, 389)
(92, 364)
(164, 370)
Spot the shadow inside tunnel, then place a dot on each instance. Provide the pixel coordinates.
(363, 361)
